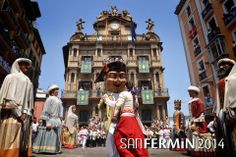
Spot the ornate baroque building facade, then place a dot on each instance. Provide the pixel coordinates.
(208, 29)
(84, 57)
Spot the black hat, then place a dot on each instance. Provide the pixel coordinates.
(113, 66)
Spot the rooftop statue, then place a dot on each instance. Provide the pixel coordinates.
(150, 25)
(79, 25)
(103, 15)
(126, 15)
(114, 10)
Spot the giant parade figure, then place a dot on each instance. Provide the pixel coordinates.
(226, 108)
(120, 106)
(114, 77)
(179, 123)
(198, 125)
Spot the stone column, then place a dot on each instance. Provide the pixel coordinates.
(158, 112)
(93, 110)
(154, 82)
(135, 79)
(76, 82)
(164, 112)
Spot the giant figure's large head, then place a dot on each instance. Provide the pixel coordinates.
(224, 66)
(114, 75)
(177, 104)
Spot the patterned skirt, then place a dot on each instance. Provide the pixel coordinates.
(15, 137)
(47, 141)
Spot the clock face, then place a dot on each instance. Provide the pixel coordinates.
(114, 25)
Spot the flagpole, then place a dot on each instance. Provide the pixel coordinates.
(106, 31)
(120, 34)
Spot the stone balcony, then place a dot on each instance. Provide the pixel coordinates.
(68, 94)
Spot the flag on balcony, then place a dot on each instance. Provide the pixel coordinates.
(147, 97)
(82, 97)
(133, 34)
(86, 66)
(143, 66)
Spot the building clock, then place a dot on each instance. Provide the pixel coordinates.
(114, 26)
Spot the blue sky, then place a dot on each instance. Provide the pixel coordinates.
(58, 23)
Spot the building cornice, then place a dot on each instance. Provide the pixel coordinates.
(180, 6)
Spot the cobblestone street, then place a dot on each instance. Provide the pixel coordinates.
(101, 152)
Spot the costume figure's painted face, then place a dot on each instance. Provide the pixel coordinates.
(225, 69)
(177, 106)
(192, 93)
(74, 109)
(115, 81)
(24, 67)
(55, 92)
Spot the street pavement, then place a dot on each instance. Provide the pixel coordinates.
(101, 152)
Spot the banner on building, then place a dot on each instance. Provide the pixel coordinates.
(143, 66)
(86, 67)
(147, 97)
(83, 97)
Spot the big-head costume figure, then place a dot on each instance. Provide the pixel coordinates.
(198, 124)
(179, 123)
(226, 107)
(114, 76)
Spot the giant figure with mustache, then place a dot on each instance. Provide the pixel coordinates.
(114, 77)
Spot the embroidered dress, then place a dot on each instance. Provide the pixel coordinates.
(48, 140)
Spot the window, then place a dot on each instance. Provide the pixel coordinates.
(72, 78)
(188, 9)
(115, 35)
(85, 85)
(132, 76)
(143, 58)
(158, 78)
(115, 58)
(212, 24)
(154, 52)
(201, 66)
(202, 71)
(228, 5)
(196, 45)
(145, 85)
(131, 52)
(205, 2)
(196, 41)
(191, 22)
(207, 97)
(87, 58)
(99, 52)
(75, 52)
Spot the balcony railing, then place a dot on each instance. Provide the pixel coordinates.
(6, 41)
(197, 51)
(213, 33)
(5, 65)
(22, 40)
(69, 94)
(202, 75)
(230, 17)
(162, 92)
(207, 10)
